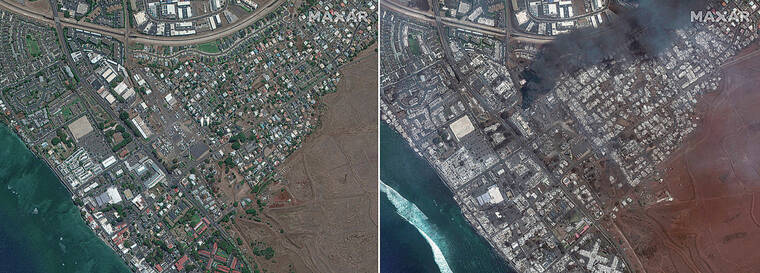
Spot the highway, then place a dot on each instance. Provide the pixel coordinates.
(124, 36)
(139, 143)
(468, 93)
(52, 18)
(496, 32)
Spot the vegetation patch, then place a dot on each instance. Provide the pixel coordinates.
(262, 250)
(33, 46)
(210, 47)
(414, 45)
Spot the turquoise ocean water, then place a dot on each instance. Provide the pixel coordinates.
(41, 229)
(422, 228)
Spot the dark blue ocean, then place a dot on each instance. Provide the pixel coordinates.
(415, 204)
(12, 256)
(41, 230)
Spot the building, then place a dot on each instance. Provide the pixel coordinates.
(110, 196)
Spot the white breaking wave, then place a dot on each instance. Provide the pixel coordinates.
(412, 214)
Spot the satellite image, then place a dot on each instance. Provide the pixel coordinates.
(188, 136)
(394, 136)
(569, 136)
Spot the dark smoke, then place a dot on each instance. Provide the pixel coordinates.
(636, 32)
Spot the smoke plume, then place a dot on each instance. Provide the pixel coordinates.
(641, 32)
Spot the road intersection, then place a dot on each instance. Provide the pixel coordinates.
(126, 36)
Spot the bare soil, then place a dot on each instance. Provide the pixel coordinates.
(712, 224)
(330, 223)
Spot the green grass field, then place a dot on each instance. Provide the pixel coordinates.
(67, 114)
(33, 46)
(194, 220)
(414, 45)
(210, 47)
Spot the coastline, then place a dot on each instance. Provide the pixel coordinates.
(5, 122)
(71, 195)
(51, 231)
(436, 205)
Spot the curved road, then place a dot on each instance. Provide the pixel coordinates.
(120, 34)
(428, 17)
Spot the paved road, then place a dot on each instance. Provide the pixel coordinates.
(123, 35)
(430, 17)
(469, 93)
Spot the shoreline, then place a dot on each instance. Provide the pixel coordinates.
(62, 181)
(450, 193)
(398, 201)
(453, 196)
(70, 228)
(3, 122)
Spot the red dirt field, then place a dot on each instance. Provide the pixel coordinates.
(323, 218)
(712, 223)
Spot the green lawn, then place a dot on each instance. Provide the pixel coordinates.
(210, 47)
(66, 113)
(194, 220)
(33, 46)
(414, 45)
